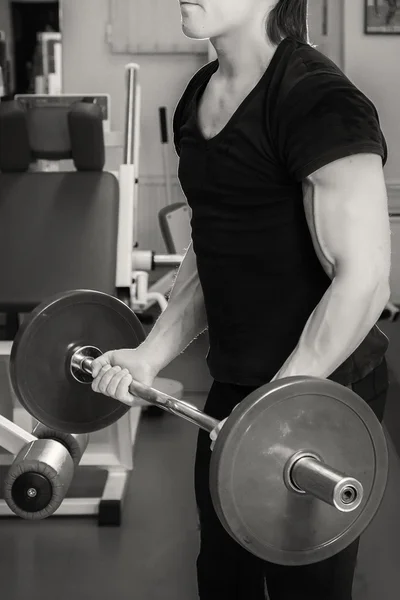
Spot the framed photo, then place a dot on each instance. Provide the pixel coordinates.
(325, 14)
(382, 16)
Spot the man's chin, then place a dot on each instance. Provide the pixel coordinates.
(193, 34)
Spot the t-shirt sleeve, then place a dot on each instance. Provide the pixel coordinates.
(325, 118)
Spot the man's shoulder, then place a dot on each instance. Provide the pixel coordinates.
(305, 63)
(312, 59)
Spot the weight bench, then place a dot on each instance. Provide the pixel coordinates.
(58, 230)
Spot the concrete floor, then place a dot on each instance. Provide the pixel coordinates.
(152, 555)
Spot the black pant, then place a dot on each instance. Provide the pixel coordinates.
(225, 570)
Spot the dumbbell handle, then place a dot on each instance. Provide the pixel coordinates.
(164, 401)
(303, 473)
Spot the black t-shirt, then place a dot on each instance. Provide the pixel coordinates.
(259, 272)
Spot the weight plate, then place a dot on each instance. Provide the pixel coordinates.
(39, 368)
(247, 466)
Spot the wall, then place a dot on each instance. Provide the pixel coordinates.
(372, 63)
(89, 66)
(330, 43)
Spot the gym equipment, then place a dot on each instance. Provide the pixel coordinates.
(295, 428)
(64, 102)
(133, 269)
(82, 314)
(48, 63)
(82, 209)
(298, 470)
(175, 227)
(76, 444)
(164, 146)
(41, 472)
(99, 486)
(141, 295)
(38, 480)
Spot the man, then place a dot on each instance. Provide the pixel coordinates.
(281, 161)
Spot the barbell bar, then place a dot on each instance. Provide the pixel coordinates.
(298, 470)
(81, 369)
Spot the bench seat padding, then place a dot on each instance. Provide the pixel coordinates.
(58, 232)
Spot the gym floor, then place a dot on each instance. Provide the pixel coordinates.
(152, 555)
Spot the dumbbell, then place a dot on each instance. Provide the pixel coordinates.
(298, 471)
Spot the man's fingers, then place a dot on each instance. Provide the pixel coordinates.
(99, 363)
(122, 393)
(115, 383)
(104, 377)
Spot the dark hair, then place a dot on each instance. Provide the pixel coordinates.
(288, 18)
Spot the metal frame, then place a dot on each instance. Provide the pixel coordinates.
(128, 181)
(49, 83)
(133, 267)
(27, 100)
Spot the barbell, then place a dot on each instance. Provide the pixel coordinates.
(298, 470)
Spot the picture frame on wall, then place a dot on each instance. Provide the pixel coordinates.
(325, 17)
(382, 17)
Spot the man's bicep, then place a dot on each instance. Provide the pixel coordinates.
(347, 213)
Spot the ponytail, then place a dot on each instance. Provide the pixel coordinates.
(288, 19)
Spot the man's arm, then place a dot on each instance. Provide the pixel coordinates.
(347, 213)
(184, 318)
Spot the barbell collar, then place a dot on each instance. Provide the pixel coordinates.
(306, 473)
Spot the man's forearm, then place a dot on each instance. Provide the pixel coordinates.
(336, 328)
(184, 318)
